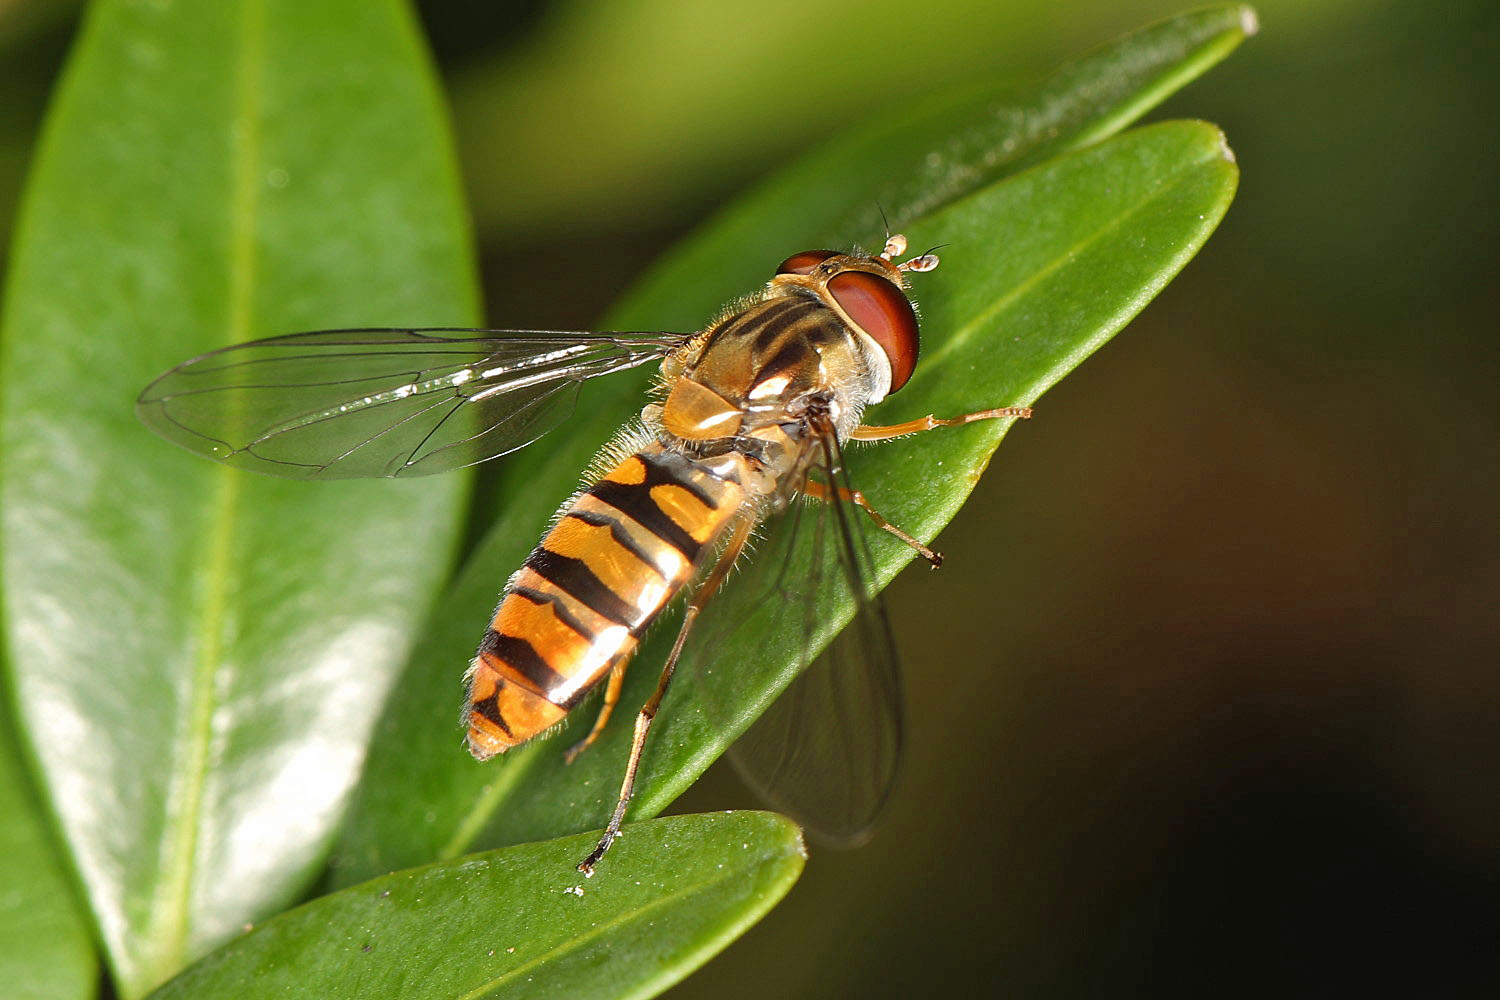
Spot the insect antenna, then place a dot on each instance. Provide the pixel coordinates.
(926, 262)
(895, 246)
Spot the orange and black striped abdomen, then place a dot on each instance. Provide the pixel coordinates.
(616, 556)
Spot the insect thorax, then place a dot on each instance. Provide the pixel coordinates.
(747, 385)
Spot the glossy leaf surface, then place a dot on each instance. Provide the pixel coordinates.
(45, 950)
(199, 654)
(522, 922)
(1045, 267)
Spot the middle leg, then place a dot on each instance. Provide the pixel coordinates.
(824, 493)
(611, 698)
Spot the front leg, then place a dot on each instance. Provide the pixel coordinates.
(927, 423)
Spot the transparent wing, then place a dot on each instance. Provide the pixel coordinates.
(340, 404)
(825, 752)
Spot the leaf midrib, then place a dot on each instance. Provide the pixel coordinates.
(171, 916)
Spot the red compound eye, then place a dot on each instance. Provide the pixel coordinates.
(805, 262)
(883, 311)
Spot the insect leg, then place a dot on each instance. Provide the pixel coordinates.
(822, 492)
(611, 697)
(928, 422)
(648, 711)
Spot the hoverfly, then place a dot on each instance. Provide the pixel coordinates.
(750, 418)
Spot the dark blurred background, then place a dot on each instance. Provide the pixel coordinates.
(1224, 613)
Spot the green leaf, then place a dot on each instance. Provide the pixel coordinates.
(199, 654)
(45, 949)
(1141, 206)
(522, 921)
